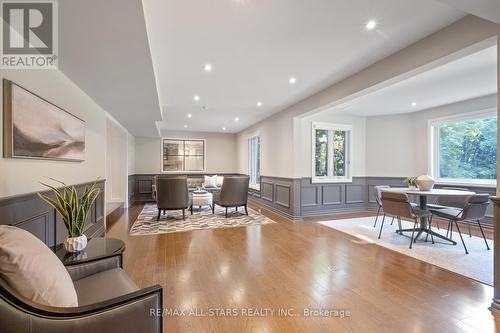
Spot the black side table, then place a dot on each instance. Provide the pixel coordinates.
(97, 248)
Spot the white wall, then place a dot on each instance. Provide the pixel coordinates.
(18, 176)
(116, 163)
(397, 145)
(221, 151)
(131, 153)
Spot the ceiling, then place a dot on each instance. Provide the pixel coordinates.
(488, 9)
(472, 76)
(255, 46)
(104, 49)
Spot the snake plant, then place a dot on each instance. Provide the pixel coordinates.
(74, 209)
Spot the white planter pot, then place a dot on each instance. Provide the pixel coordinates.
(75, 244)
(412, 188)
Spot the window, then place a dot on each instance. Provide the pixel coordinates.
(183, 155)
(463, 148)
(331, 152)
(254, 161)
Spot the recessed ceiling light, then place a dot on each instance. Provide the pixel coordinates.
(371, 25)
(189, 115)
(196, 98)
(292, 80)
(259, 104)
(223, 128)
(236, 119)
(208, 67)
(185, 126)
(414, 104)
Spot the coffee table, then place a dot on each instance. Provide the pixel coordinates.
(200, 199)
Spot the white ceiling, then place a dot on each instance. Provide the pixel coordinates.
(255, 46)
(488, 9)
(472, 76)
(104, 49)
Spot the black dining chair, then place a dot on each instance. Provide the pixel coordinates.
(474, 210)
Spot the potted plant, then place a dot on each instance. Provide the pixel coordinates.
(411, 182)
(74, 210)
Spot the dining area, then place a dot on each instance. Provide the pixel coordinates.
(435, 214)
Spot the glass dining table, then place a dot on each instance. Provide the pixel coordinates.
(423, 195)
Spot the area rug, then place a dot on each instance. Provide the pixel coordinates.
(202, 219)
(477, 265)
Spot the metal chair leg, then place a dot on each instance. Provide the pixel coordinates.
(184, 214)
(226, 212)
(381, 226)
(159, 214)
(413, 233)
(430, 229)
(392, 220)
(378, 212)
(246, 209)
(463, 243)
(482, 232)
(400, 226)
(468, 226)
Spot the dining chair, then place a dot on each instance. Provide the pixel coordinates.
(474, 210)
(398, 205)
(447, 201)
(378, 200)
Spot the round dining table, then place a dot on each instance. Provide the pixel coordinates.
(423, 228)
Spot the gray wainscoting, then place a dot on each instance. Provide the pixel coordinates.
(300, 197)
(29, 212)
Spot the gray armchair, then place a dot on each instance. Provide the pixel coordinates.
(172, 194)
(108, 302)
(233, 193)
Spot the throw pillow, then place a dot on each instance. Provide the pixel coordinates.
(33, 270)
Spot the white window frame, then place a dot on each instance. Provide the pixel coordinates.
(183, 171)
(349, 139)
(433, 147)
(250, 137)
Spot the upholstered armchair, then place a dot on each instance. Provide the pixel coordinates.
(233, 193)
(172, 194)
(107, 299)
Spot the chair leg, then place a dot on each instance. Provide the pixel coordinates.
(468, 226)
(226, 212)
(463, 243)
(213, 208)
(246, 209)
(451, 229)
(430, 229)
(392, 221)
(482, 232)
(191, 209)
(159, 214)
(381, 226)
(413, 233)
(400, 226)
(236, 208)
(184, 214)
(376, 218)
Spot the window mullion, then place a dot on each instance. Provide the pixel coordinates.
(330, 157)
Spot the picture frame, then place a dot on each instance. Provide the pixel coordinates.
(34, 128)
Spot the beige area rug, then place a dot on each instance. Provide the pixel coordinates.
(202, 219)
(477, 265)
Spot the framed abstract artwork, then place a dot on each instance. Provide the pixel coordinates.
(35, 128)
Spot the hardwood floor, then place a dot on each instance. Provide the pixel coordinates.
(299, 265)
